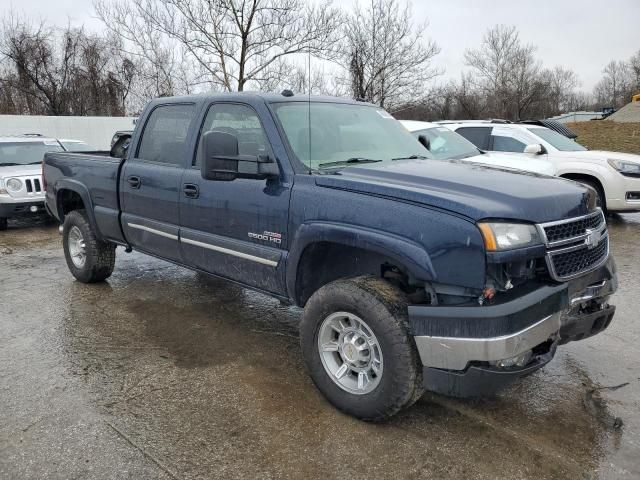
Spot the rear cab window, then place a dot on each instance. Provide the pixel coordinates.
(164, 138)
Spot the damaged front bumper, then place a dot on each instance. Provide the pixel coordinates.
(477, 350)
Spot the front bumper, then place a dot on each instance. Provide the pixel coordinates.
(618, 194)
(21, 208)
(460, 346)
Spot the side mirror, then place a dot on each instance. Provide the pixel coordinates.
(424, 141)
(535, 149)
(121, 146)
(221, 161)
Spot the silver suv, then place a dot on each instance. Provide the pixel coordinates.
(21, 186)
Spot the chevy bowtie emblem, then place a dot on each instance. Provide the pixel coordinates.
(593, 238)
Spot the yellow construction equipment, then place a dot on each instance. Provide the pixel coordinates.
(636, 98)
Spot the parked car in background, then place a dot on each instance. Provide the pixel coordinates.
(76, 145)
(615, 176)
(414, 273)
(21, 183)
(445, 144)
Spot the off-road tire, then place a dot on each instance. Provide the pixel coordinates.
(384, 308)
(4, 224)
(100, 256)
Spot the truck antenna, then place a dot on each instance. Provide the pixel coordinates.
(309, 105)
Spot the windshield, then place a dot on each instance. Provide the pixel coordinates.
(558, 141)
(447, 145)
(345, 134)
(77, 146)
(25, 153)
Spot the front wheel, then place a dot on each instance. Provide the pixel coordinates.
(89, 259)
(358, 349)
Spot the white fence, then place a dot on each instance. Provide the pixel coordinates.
(96, 131)
(577, 117)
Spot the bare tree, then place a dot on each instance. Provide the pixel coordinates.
(233, 43)
(60, 71)
(561, 84)
(614, 90)
(620, 81)
(389, 61)
(471, 102)
(508, 72)
(41, 76)
(634, 66)
(162, 66)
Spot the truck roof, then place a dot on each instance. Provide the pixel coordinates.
(285, 96)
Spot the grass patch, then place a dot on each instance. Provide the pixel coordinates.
(608, 135)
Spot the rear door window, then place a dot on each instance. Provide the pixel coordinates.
(507, 144)
(164, 138)
(479, 136)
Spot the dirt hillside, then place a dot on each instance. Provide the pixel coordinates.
(607, 135)
(629, 113)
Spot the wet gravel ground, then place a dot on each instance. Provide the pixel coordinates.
(162, 373)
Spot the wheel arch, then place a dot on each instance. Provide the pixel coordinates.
(324, 252)
(72, 195)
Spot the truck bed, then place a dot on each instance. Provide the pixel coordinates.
(95, 174)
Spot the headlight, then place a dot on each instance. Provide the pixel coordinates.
(506, 236)
(14, 184)
(625, 168)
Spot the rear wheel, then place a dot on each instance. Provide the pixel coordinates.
(88, 259)
(4, 224)
(358, 349)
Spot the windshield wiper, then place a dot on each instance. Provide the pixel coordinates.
(348, 161)
(9, 164)
(412, 157)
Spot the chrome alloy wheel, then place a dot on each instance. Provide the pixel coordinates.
(77, 247)
(350, 353)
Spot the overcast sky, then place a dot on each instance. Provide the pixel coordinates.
(583, 35)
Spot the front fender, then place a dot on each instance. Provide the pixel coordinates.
(602, 173)
(407, 253)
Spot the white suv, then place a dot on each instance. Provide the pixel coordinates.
(21, 186)
(615, 176)
(447, 145)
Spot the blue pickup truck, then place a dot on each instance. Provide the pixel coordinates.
(414, 273)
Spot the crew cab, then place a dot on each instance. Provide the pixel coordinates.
(414, 273)
(445, 144)
(615, 176)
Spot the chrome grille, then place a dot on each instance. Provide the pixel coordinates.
(557, 232)
(569, 264)
(575, 246)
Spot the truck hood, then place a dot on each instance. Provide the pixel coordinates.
(20, 170)
(472, 190)
(518, 161)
